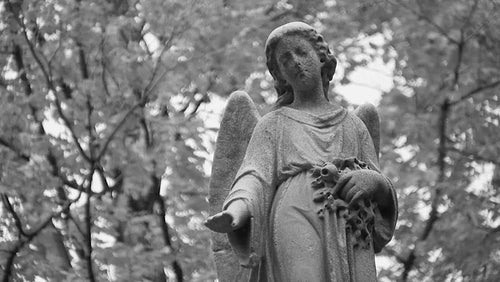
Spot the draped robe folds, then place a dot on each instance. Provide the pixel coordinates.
(283, 241)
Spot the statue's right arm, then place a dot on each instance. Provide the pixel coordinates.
(237, 208)
(250, 192)
(234, 217)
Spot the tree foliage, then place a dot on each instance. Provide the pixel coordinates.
(104, 138)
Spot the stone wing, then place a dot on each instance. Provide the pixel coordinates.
(237, 125)
(369, 115)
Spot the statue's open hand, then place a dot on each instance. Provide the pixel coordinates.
(363, 184)
(234, 217)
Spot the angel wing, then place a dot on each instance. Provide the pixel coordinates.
(369, 115)
(236, 128)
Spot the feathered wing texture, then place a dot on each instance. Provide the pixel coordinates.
(236, 128)
(369, 115)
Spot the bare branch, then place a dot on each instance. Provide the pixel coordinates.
(29, 235)
(18, 58)
(164, 225)
(103, 73)
(17, 220)
(104, 181)
(10, 261)
(20, 21)
(475, 156)
(13, 148)
(56, 171)
(77, 225)
(441, 30)
(147, 135)
(88, 218)
(198, 103)
(82, 61)
(67, 123)
(48, 79)
(150, 86)
(90, 127)
(34, 231)
(117, 128)
(472, 10)
(476, 91)
(409, 262)
(460, 52)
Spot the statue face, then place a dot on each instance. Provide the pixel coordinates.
(298, 61)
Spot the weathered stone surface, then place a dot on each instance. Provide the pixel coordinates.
(308, 201)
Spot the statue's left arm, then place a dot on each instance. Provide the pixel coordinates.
(386, 216)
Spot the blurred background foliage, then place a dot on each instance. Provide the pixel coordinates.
(106, 135)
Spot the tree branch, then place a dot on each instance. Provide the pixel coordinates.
(13, 148)
(49, 82)
(19, 19)
(470, 15)
(103, 66)
(165, 229)
(29, 235)
(198, 103)
(77, 225)
(475, 91)
(441, 30)
(475, 156)
(18, 58)
(17, 220)
(28, 90)
(150, 86)
(82, 61)
(460, 52)
(90, 126)
(67, 123)
(117, 128)
(409, 262)
(10, 261)
(56, 171)
(88, 218)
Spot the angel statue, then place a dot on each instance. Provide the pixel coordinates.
(300, 189)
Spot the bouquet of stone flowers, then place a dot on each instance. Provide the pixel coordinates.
(356, 219)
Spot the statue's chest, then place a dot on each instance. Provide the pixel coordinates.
(317, 143)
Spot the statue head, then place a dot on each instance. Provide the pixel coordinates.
(284, 89)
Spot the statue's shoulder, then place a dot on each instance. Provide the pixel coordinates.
(269, 120)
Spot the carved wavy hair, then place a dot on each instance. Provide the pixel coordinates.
(284, 90)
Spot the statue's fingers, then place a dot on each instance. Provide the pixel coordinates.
(220, 222)
(343, 181)
(347, 196)
(357, 197)
(345, 190)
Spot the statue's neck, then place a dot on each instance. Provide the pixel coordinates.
(310, 98)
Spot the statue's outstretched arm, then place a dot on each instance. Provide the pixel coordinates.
(236, 128)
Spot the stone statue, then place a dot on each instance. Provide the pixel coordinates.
(300, 189)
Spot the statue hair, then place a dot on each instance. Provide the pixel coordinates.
(284, 90)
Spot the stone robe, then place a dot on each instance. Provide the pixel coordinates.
(284, 239)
